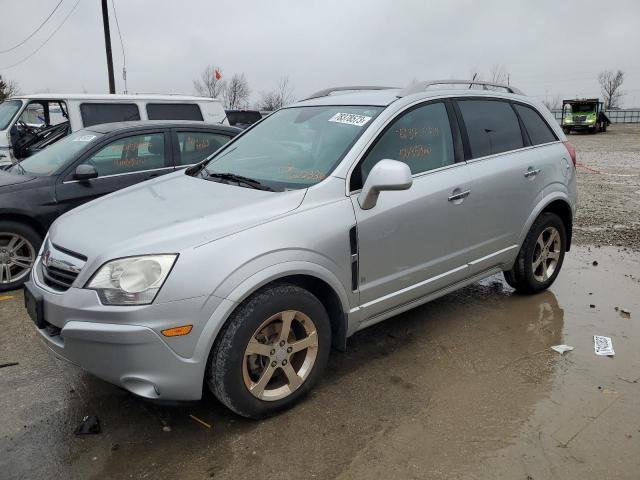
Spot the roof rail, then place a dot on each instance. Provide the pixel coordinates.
(328, 91)
(422, 86)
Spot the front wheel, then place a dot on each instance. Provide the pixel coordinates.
(540, 257)
(271, 351)
(19, 245)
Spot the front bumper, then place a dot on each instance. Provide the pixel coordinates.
(122, 345)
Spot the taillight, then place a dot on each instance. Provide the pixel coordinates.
(572, 152)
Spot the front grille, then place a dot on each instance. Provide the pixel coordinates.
(580, 118)
(58, 279)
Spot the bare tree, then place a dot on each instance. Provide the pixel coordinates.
(237, 92)
(278, 97)
(210, 82)
(498, 74)
(610, 83)
(552, 103)
(8, 88)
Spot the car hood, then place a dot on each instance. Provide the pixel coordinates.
(166, 215)
(7, 179)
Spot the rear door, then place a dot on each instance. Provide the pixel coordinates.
(192, 145)
(414, 241)
(120, 162)
(506, 183)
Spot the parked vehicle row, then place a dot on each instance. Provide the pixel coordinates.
(86, 165)
(330, 215)
(30, 123)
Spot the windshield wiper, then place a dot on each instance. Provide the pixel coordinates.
(232, 177)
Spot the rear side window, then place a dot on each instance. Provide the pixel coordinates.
(196, 146)
(421, 138)
(492, 127)
(96, 113)
(538, 130)
(243, 118)
(174, 111)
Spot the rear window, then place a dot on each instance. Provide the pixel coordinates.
(538, 130)
(96, 113)
(243, 118)
(492, 127)
(174, 111)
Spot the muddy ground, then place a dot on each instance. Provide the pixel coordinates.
(609, 186)
(465, 387)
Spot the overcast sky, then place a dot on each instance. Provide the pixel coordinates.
(549, 47)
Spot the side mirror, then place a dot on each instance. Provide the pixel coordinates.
(85, 172)
(385, 175)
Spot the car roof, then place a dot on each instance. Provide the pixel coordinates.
(114, 97)
(384, 96)
(105, 128)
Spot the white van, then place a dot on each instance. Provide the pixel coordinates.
(29, 123)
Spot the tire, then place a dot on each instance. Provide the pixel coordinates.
(536, 268)
(566, 130)
(19, 246)
(233, 373)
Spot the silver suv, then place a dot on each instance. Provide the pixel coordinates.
(326, 217)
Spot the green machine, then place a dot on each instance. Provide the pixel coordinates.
(586, 114)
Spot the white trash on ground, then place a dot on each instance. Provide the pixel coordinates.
(603, 345)
(562, 348)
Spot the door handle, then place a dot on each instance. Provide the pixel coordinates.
(459, 196)
(531, 172)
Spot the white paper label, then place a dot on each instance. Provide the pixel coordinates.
(603, 345)
(84, 138)
(350, 119)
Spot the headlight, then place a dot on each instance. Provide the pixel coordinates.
(591, 120)
(132, 280)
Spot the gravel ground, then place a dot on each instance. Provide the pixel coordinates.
(609, 187)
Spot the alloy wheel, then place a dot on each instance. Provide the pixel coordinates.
(280, 355)
(16, 257)
(546, 254)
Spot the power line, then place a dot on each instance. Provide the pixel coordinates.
(34, 32)
(124, 57)
(43, 43)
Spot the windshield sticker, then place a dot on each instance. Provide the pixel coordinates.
(350, 119)
(84, 138)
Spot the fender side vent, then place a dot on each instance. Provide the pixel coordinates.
(353, 243)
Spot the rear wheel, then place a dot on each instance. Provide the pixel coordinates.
(540, 257)
(271, 351)
(19, 245)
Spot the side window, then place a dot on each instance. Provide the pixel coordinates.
(130, 154)
(492, 126)
(538, 130)
(174, 111)
(421, 138)
(196, 146)
(96, 113)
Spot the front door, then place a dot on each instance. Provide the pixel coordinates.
(122, 162)
(415, 241)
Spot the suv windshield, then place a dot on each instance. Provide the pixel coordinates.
(57, 155)
(295, 147)
(582, 107)
(7, 110)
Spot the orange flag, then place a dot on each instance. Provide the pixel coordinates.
(217, 74)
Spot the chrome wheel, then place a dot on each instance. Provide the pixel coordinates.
(16, 257)
(546, 254)
(280, 355)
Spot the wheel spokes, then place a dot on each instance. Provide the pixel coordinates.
(258, 388)
(309, 341)
(287, 318)
(257, 348)
(293, 378)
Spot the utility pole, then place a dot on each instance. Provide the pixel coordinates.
(107, 45)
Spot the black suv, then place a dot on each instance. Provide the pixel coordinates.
(86, 165)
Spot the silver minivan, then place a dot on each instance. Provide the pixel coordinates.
(328, 216)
